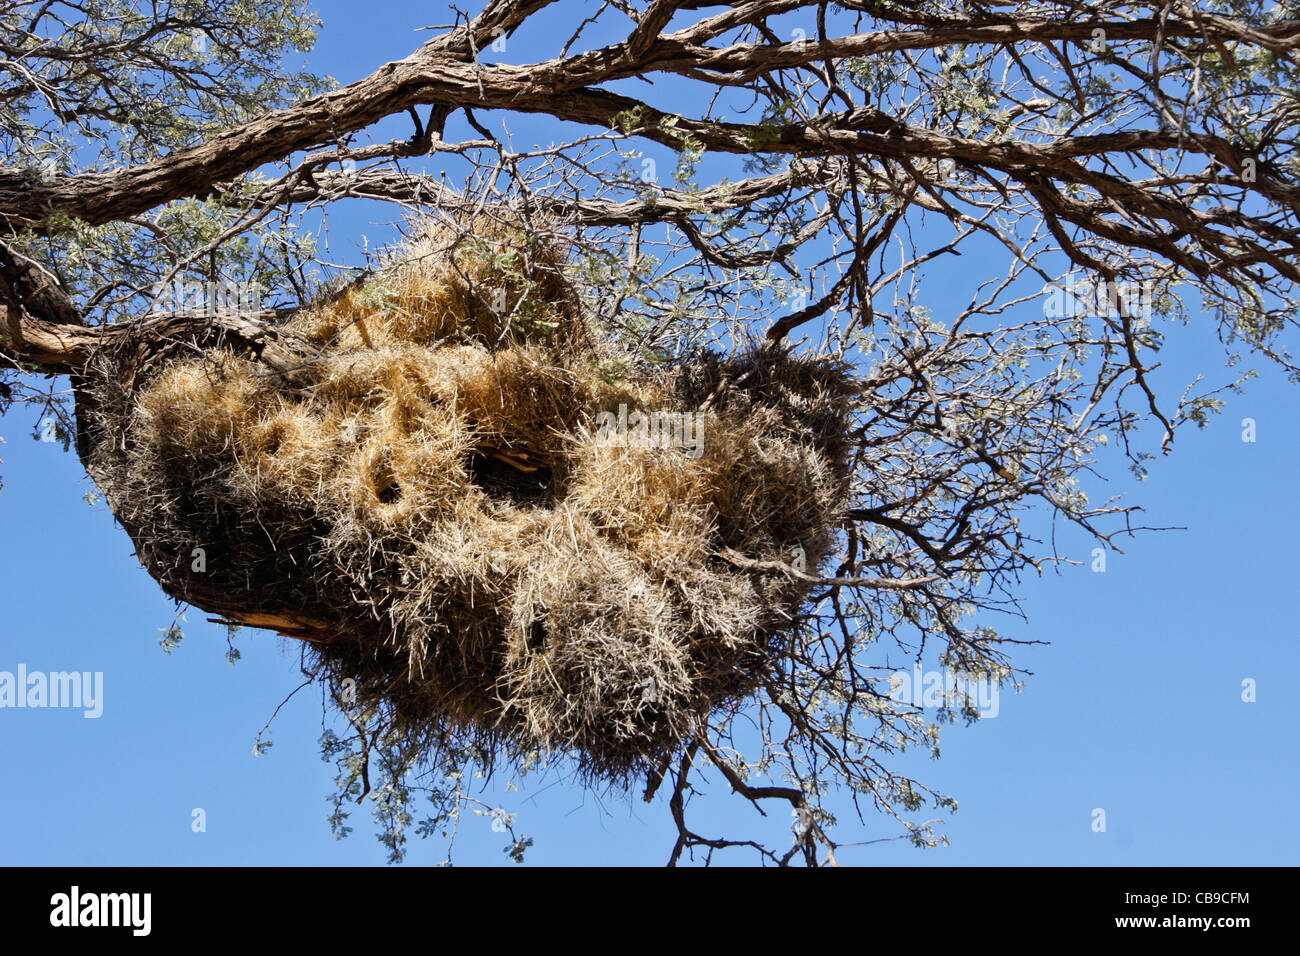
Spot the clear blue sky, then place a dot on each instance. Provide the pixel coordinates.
(1135, 707)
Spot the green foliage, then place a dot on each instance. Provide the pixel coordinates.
(172, 635)
(138, 83)
(379, 767)
(628, 121)
(376, 295)
(119, 84)
(232, 654)
(610, 370)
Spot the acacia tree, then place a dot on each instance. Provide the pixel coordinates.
(1117, 166)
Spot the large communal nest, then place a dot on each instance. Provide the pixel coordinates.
(453, 498)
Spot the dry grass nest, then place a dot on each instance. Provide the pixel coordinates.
(457, 504)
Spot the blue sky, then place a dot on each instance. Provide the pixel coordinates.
(1135, 707)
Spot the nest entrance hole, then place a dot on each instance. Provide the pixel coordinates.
(504, 482)
(385, 485)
